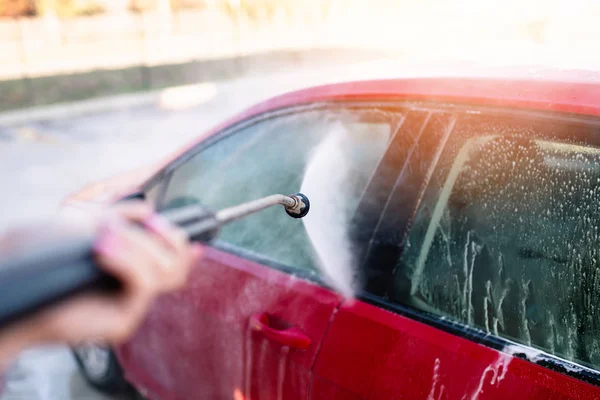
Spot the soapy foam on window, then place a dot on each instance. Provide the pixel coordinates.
(548, 196)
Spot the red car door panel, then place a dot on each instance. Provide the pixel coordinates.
(389, 356)
(359, 340)
(201, 340)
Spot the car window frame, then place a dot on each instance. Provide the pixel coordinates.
(163, 177)
(539, 122)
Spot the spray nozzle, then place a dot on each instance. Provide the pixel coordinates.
(296, 206)
(300, 206)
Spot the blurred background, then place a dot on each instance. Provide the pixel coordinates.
(64, 50)
(92, 88)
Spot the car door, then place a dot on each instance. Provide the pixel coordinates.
(250, 321)
(486, 260)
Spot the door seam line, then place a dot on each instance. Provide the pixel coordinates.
(312, 365)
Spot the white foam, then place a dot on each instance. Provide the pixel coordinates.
(535, 355)
(496, 372)
(435, 383)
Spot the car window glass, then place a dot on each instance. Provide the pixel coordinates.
(509, 244)
(329, 155)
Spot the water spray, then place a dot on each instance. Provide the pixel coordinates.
(35, 277)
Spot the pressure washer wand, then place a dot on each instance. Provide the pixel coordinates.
(35, 277)
(202, 225)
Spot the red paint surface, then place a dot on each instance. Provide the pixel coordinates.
(197, 344)
(376, 354)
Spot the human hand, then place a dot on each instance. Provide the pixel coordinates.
(148, 262)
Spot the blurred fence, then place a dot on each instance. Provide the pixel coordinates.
(133, 51)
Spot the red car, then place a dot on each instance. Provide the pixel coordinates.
(452, 250)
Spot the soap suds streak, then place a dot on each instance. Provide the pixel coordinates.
(492, 375)
(436, 387)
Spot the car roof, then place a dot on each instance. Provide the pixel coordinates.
(562, 91)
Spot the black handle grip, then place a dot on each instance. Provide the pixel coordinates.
(32, 277)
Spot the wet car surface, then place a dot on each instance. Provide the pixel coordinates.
(443, 195)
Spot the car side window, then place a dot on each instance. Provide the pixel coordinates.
(506, 240)
(328, 154)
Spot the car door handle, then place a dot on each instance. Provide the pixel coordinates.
(292, 337)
